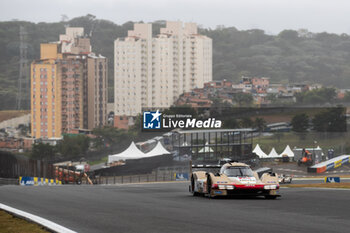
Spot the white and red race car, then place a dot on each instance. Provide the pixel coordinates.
(232, 178)
(285, 179)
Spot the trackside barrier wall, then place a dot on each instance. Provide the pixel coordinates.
(137, 166)
(153, 177)
(35, 181)
(14, 166)
(329, 164)
(5, 181)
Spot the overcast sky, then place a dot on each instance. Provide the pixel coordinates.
(269, 15)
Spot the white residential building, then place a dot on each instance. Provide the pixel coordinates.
(152, 72)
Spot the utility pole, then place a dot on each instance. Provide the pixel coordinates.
(23, 96)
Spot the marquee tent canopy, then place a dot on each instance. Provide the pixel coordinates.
(258, 151)
(157, 150)
(206, 149)
(132, 152)
(273, 154)
(287, 151)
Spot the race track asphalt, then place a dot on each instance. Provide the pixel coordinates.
(168, 207)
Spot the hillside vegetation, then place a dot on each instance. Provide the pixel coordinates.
(290, 56)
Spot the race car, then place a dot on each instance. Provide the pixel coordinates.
(283, 179)
(232, 178)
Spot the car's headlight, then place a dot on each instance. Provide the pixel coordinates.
(221, 186)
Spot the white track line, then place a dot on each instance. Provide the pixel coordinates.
(39, 220)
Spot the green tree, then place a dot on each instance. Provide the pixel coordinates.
(218, 107)
(259, 124)
(231, 123)
(113, 135)
(289, 35)
(300, 123)
(347, 97)
(243, 99)
(331, 120)
(43, 151)
(317, 96)
(74, 146)
(246, 122)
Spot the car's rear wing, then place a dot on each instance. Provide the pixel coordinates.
(205, 167)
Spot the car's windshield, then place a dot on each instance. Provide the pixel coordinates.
(238, 171)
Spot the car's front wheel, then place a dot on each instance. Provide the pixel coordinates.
(209, 183)
(194, 193)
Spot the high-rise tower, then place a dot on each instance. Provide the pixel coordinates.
(69, 87)
(152, 72)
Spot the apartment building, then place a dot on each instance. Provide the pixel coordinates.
(68, 87)
(152, 72)
(97, 98)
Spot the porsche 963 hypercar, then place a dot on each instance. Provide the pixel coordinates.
(232, 178)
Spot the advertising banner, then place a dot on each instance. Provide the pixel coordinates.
(35, 181)
(332, 179)
(26, 180)
(181, 176)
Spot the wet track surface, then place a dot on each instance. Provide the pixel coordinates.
(168, 207)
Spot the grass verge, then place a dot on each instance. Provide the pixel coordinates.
(321, 185)
(12, 224)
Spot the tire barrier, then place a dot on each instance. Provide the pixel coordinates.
(329, 164)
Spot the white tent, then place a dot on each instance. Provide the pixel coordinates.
(273, 154)
(258, 151)
(157, 150)
(132, 152)
(184, 144)
(206, 149)
(287, 151)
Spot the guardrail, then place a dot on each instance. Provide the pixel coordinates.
(329, 164)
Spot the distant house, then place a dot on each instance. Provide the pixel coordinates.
(297, 87)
